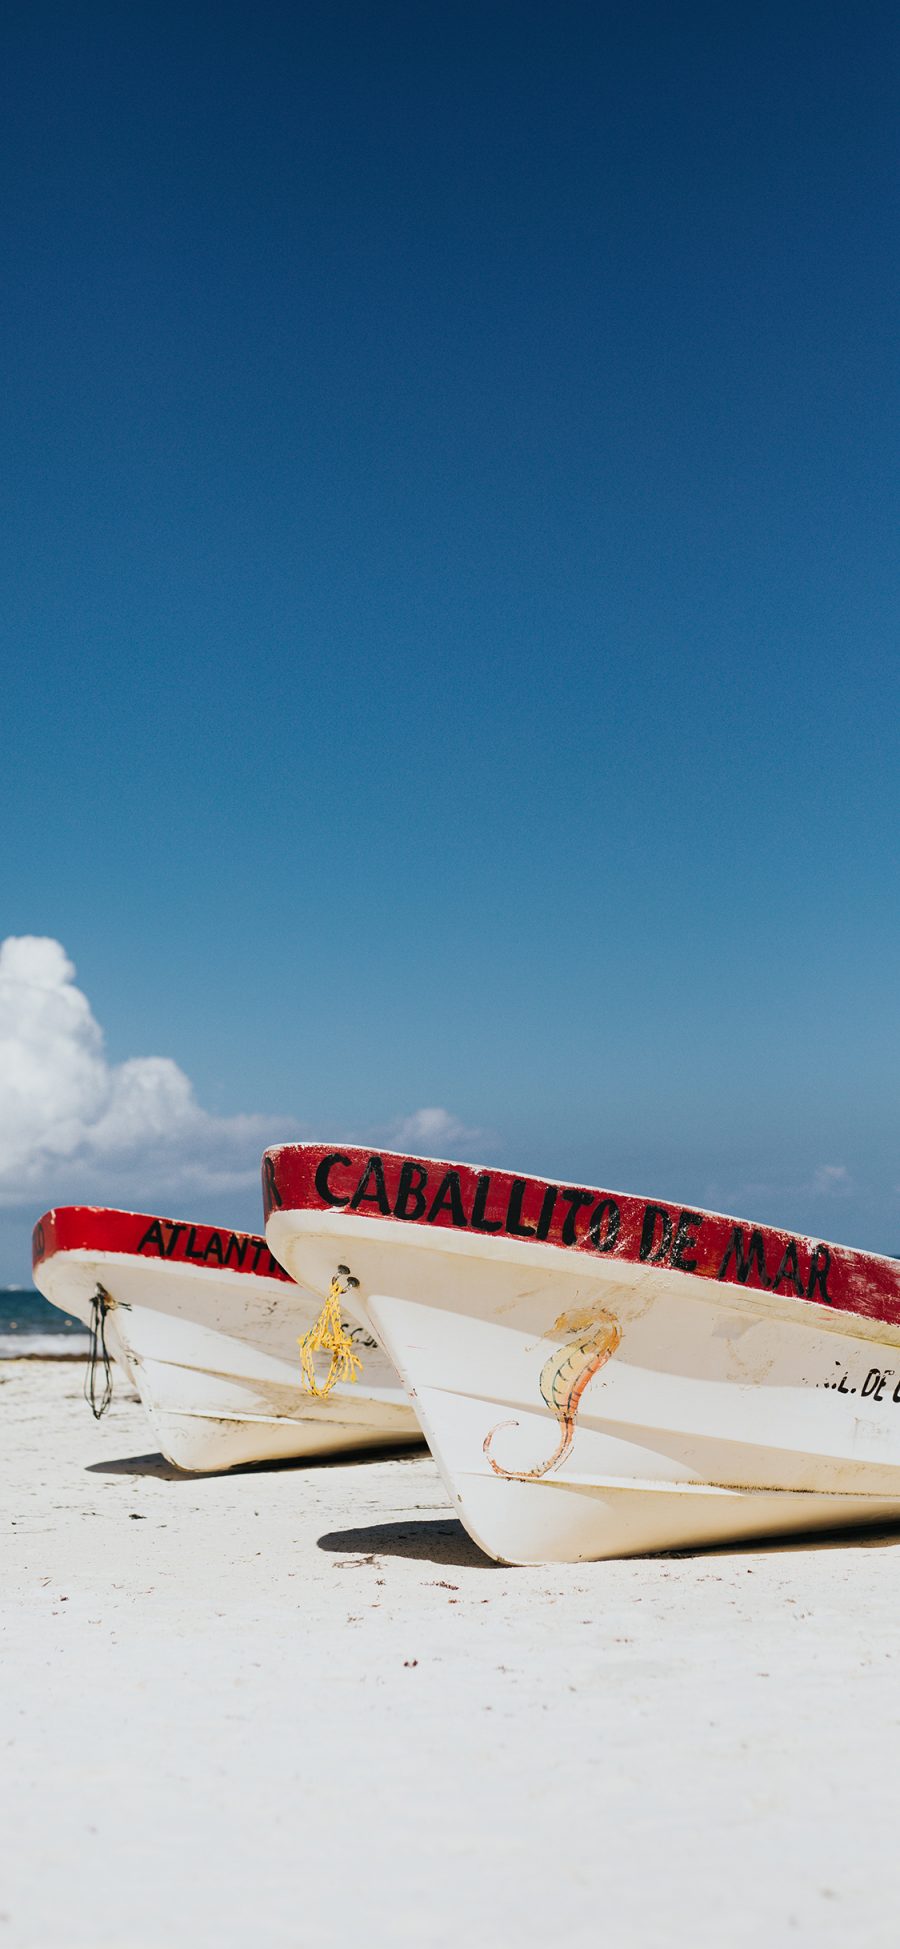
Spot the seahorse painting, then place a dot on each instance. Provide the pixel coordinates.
(564, 1378)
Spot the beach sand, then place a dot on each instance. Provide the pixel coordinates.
(295, 1706)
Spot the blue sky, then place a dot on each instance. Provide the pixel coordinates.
(450, 569)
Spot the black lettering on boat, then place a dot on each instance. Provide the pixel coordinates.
(175, 1232)
(448, 1197)
(480, 1221)
(651, 1253)
(259, 1247)
(373, 1172)
(153, 1236)
(575, 1201)
(271, 1193)
(603, 1229)
(323, 1175)
(213, 1249)
(789, 1269)
(818, 1274)
(413, 1179)
(189, 1252)
(744, 1260)
(237, 1243)
(686, 1235)
(514, 1224)
(545, 1215)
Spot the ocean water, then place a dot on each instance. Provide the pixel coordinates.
(30, 1325)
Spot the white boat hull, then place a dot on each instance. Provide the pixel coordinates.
(707, 1411)
(212, 1351)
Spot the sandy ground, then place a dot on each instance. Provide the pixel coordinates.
(296, 1706)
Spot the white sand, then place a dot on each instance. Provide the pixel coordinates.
(294, 1706)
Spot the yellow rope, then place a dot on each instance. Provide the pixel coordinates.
(328, 1336)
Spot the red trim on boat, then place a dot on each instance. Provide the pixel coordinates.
(446, 1197)
(80, 1228)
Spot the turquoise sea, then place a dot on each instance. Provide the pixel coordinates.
(30, 1325)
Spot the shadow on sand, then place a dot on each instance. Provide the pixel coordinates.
(846, 1536)
(443, 1542)
(156, 1465)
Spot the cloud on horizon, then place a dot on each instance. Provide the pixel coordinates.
(74, 1126)
(832, 1180)
(433, 1127)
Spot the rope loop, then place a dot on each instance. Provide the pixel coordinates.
(329, 1335)
(98, 1359)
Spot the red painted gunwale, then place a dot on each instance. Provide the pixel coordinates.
(704, 1244)
(91, 1228)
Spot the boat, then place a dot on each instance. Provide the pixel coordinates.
(604, 1375)
(205, 1324)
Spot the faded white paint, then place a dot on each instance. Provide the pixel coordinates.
(718, 1416)
(213, 1354)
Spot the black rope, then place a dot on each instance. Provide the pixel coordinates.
(98, 1358)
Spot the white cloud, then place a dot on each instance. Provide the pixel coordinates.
(433, 1127)
(73, 1125)
(831, 1180)
(753, 1194)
